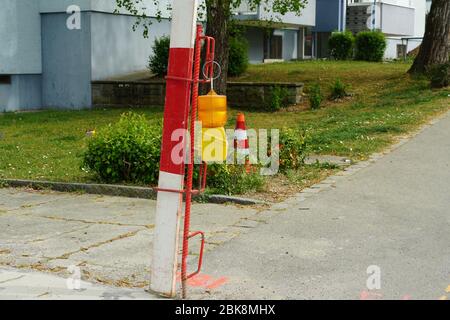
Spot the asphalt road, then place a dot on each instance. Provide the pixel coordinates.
(393, 215)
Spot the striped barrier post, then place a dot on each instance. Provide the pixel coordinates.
(172, 165)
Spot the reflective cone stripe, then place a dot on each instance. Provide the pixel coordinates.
(241, 143)
(173, 149)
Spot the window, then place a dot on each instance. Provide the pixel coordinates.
(308, 42)
(5, 79)
(273, 46)
(276, 47)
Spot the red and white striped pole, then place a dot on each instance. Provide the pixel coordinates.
(172, 166)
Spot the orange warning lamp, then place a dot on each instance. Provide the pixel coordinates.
(212, 110)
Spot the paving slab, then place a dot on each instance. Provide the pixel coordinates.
(22, 285)
(108, 238)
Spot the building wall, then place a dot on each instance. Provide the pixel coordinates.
(108, 6)
(397, 20)
(306, 18)
(105, 47)
(20, 49)
(54, 6)
(24, 93)
(420, 17)
(66, 62)
(327, 16)
(116, 49)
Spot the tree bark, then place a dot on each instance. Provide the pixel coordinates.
(218, 15)
(435, 48)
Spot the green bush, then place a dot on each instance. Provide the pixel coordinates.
(370, 46)
(293, 149)
(278, 99)
(233, 179)
(341, 45)
(315, 96)
(127, 151)
(158, 62)
(440, 75)
(238, 56)
(338, 90)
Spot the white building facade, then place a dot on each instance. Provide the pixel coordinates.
(401, 21)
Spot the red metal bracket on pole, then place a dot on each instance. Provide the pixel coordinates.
(200, 257)
(210, 47)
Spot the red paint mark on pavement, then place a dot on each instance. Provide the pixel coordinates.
(368, 295)
(204, 281)
(218, 283)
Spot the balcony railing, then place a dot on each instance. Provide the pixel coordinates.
(394, 18)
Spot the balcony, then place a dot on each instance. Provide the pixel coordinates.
(393, 18)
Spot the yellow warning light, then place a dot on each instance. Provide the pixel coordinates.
(212, 110)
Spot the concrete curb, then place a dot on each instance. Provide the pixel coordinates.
(118, 191)
(217, 198)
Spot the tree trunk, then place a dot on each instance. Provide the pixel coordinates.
(435, 48)
(218, 15)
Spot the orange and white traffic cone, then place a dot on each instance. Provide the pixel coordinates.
(241, 143)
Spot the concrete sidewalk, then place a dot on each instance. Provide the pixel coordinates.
(22, 285)
(108, 238)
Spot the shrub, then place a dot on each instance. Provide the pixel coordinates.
(338, 90)
(127, 151)
(370, 46)
(293, 149)
(238, 56)
(315, 96)
(233, 179)
(158, 62)
(440, 75)
(278, 98)
(341, 45)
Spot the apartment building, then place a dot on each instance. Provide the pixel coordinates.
(52, 49)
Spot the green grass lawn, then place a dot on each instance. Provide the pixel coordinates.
(386, 103)
(48, 145)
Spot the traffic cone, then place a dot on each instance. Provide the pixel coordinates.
(241, 143)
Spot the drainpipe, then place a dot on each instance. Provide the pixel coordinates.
(344, 15)
(340, 16)
(373, 15)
